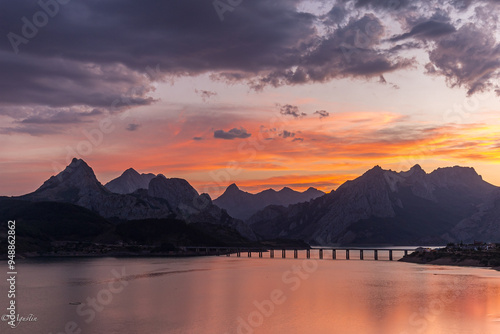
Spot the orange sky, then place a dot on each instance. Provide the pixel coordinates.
(318, 152)
(280, 93)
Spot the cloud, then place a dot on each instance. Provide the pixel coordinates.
(197, 138)
(290, 110)
(133, 127)
(386, 5)
(470, 58)
(262, 43)
(322, 113)
(298, 139)
(287, 134)
(428, 29)
(205, 94)
(234, 133)
(44, 121)
(68, 116)
(56, 82)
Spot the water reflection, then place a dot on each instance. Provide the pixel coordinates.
(241, 295)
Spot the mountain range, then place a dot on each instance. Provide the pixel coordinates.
(450, 204)
(386, 207)
(243, 205)
(129, 182)
(164, 198)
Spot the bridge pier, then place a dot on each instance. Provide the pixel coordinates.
(228, 252)
(321, 254)
(334, 254)
(249, 254)
(406, 252)
(295, 254)
(361, 254)
(271, 253)
(283, 254)
(308, 254)
(238, 254)
(347, 254)
(390, 255)
(260, 253)
(375, 254)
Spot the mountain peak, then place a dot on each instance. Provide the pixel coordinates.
(232, 187)
(130, 170)
(375, 171)
(77, 166)
(129, 181)
(286, 189)
(416, 170)
(416, 167)
(75, 178)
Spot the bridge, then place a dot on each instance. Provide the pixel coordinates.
(321, 252)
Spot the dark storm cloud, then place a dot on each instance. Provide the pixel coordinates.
(57, 82)
(105, 54)
(429, 29)
(382, 4)
(352, 50)
(234, 133)
(182, 37)
(468, 58)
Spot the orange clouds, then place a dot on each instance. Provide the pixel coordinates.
(284, 151)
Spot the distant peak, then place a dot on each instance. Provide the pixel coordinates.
(286, 189)
(416, 167)
(130, 171)
(232, 187)
(77, 164)
(374, 171)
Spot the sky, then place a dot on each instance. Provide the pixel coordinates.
(259, 93)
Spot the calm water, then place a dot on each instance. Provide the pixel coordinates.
(241, 295)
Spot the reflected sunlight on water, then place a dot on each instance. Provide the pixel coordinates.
(240, 295)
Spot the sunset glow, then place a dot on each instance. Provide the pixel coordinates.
(319, 132)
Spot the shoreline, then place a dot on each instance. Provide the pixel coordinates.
(438, 259)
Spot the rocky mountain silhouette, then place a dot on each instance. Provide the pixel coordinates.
(241, 204)
(129, 182)
(383, 206)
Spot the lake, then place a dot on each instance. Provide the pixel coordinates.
(251, 295)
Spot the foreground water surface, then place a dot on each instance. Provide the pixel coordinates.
(251, 295)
